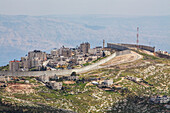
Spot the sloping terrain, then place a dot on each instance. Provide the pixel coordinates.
(123, 59)
(80, 97)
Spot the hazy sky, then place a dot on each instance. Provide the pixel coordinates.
(114, 7)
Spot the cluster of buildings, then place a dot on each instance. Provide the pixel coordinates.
(58, 58)
(72, 57)
(34, 60)
(67, 58)
(103, 83)
(51, 84)
(6, 80)
(56, 82)
(163, 52)
(108, 85)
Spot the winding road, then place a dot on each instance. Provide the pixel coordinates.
(114, 59)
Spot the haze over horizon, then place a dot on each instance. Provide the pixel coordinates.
(72, 22)
(67, 7)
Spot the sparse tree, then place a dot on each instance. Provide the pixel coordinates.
(73, 73)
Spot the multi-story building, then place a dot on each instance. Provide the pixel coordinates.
(25, 62)
(34, 59)
(80, 59)
(35, 63)
(37, 53)
(84, 47)
(54, 52)
(98, 51)
(66, 52)
(14, 65)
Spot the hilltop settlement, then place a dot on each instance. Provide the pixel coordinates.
(62, 58)
(116, 78)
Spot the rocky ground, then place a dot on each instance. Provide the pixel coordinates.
(83, 97)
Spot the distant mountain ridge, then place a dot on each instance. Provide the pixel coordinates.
(20, 34)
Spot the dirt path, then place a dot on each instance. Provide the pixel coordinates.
(119, 80)
(133, 56)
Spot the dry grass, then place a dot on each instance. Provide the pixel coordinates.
(20, 88)
(123, 59)
(69, 82)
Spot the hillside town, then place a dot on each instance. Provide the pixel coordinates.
(92, 56)
(62, 58)
(71, 58)
(126, 71)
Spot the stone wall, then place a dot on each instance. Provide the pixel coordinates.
(128, 46)
(116, 46)
(148, 48)
(66, 72)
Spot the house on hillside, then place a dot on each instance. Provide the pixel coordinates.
(108, 82)
(55, 85)
(44, 78)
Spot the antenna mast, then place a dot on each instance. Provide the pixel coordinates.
(137, 41)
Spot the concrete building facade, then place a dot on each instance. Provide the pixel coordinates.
(34, 59)
(84, 47)
(56, 85)
(66, 52)
(14, 65)
(54, 52)
(108, 82)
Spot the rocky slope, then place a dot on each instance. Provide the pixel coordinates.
(83, 97)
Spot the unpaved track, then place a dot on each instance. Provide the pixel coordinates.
(133, 56)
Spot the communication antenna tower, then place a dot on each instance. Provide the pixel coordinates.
(137, 41)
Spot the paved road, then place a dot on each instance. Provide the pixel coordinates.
(81, 70)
